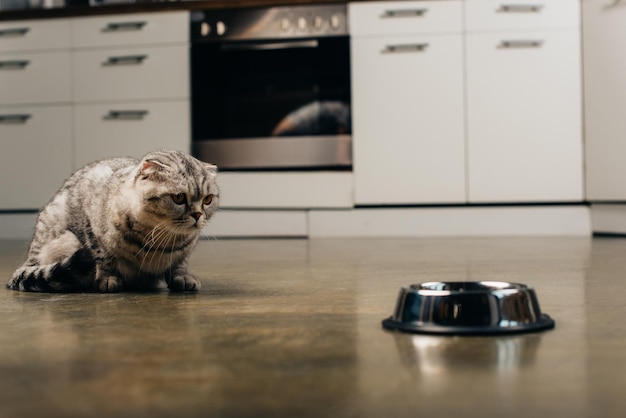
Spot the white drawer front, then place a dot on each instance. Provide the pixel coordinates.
(34, 163)
(131, 29)
(131, 74)
(521, 14)
(130, 129)
(37, 77)
(28, 35)
(404, 17)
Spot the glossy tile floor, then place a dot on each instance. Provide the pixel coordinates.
(291, 328)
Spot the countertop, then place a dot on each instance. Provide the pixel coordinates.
(147, 6)
(292, 328)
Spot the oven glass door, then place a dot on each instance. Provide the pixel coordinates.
(254, 90)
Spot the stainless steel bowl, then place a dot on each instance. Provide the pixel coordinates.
(468, 308)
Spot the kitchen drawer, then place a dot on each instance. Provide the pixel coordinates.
(29, 35)
(130, 129)
(131, 74)
(131, 29)
(404, 17)
(33, 162)
(36, 77)
(521, 14)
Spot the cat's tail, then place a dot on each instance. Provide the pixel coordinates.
(73, 274)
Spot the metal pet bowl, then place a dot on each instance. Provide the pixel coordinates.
(468, 308)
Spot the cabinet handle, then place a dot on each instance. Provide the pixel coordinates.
(19, 118)
(125, 115)
(403, 13)
(14, 32)
(123, 26)
(520, 44)
(125, 60)
(14, 64)
(390, 49)
(520, 8)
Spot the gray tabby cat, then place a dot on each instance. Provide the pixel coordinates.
(122, 224)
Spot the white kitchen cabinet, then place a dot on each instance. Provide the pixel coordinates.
(129, 129)
(36, 154)
(35, 112)
(407, 103)
(524, 127)
(604, 43)
(408, 120)
(131, 85)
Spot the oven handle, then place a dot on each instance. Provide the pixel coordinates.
(266, 46)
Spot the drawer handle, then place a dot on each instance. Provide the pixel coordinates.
(520, 8)
(20, 118)
(404, 13)
(520, 44)
(126, 115)
(14, 65)
(14, 32)
(125, 60)
(123, 26)
(391, 49)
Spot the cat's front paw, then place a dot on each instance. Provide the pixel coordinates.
(184, 282)
(109, 284)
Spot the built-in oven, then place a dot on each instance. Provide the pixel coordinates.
(271, 88)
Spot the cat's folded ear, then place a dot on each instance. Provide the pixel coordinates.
(211, 167)
(151, 168)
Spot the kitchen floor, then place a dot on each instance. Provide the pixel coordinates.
(292, 328)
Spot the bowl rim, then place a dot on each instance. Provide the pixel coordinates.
(438, 288)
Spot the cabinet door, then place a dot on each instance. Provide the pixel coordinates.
(408, 127)
(524, 117)
(604, 42)
(129, 129)
(33, 162)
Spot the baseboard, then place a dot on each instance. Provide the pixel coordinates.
(452, 222)
(569, 220)
(18, 226)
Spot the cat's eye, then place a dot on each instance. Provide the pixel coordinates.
(207, 199)
(179, 198)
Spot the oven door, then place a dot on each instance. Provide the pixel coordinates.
(272, 104)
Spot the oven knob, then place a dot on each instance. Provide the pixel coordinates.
(205, 29)
(284, 24)
(334, 22)
(220, 28)
(301, 23)
(317, 23)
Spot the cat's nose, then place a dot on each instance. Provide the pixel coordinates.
(196, 215)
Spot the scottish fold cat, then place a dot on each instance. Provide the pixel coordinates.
(122, 224)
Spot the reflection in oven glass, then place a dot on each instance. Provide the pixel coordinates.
(316, 118)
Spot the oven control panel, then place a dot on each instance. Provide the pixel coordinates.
(269, 23)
